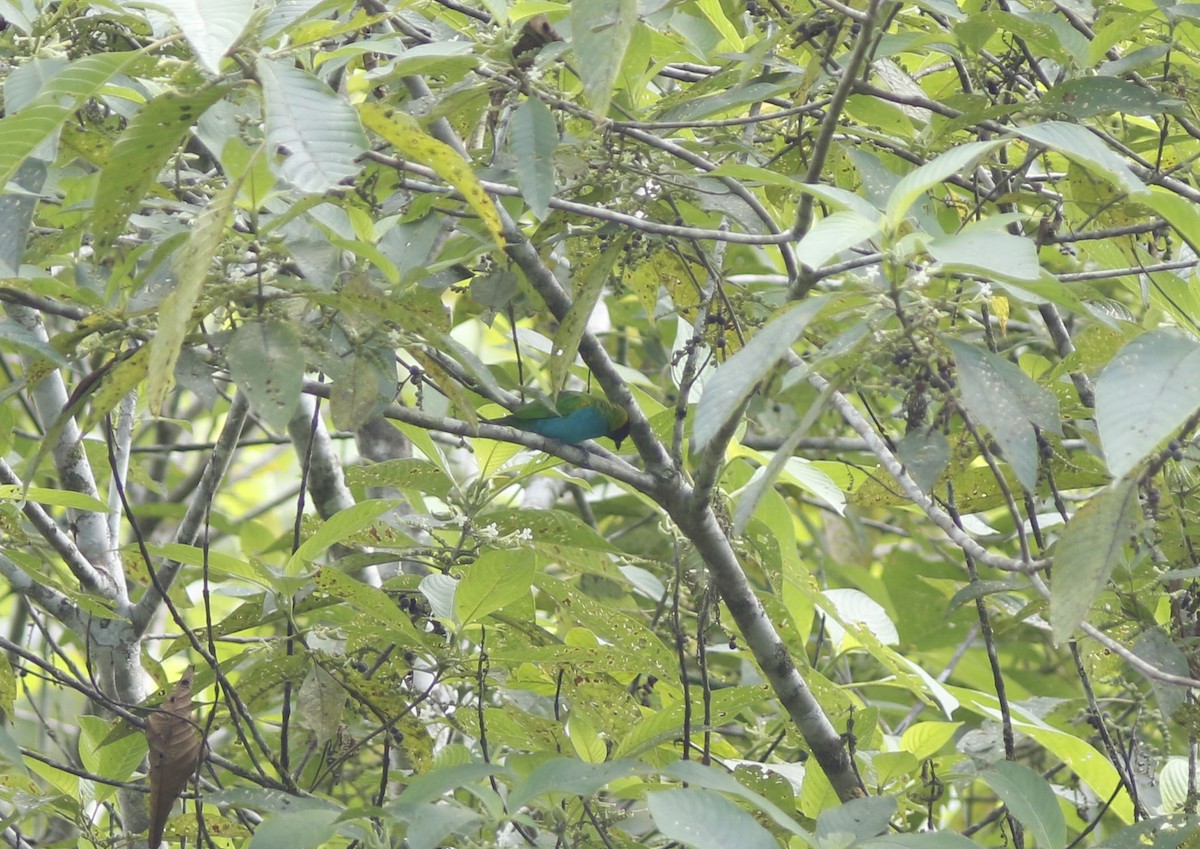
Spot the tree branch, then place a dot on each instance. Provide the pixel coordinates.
(189, 528)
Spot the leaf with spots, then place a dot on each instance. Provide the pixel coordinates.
(152, 137)
(23, 131)
(1091, 545)
(1008, 403)
(401, 130)
(176, 311)
(613, 627)
(369, 601)
(558, 537)
(590, 283)
(267, 364)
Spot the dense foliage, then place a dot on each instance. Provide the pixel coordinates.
(897, 299)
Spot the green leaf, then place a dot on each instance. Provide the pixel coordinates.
(698, 775)
(665, 725)
(295, 830)
(433, 785)
(498, 578)
(926, 739)
(1030, 799)
(736, 379)
(25, 131)
(1093, 768)
(570, 777)
(317, 134)
(370, 601)
(1008, 403)
(859, 817)
(54, 497)
(143, 149)
(114, 756)
(833, 234)
(988, 252)
(267, 364)
(1087, 97)
(533, 136)
(1179, 212)
(175, 311)
(210, 26)
(1144, 395)
(1082, 147)
(917, 182)
(601, 31)
(1092, 543)
(706, 820)
(924, 840)
(432, 830)
(574, 323)
(337, 528)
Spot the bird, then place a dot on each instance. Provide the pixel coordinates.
(576, 416)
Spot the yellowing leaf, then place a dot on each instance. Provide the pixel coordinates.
(1000, 308)
(402, 131)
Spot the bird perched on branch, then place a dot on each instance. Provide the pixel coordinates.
(576, 416)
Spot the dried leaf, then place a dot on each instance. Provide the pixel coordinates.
(176, 747)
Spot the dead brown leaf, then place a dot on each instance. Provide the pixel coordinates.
(176, 747)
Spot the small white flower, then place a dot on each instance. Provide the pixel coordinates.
(985, 291)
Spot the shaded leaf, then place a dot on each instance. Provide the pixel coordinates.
(1092, 543)
(175, 312)
(267, 364)
(706, 820)
(319, 704)
(737, 378)
(1008, 403)
(1030, 799)
(574, 323)
(532, 140)
(1147, 391)
(600, 33)
(143, 149)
